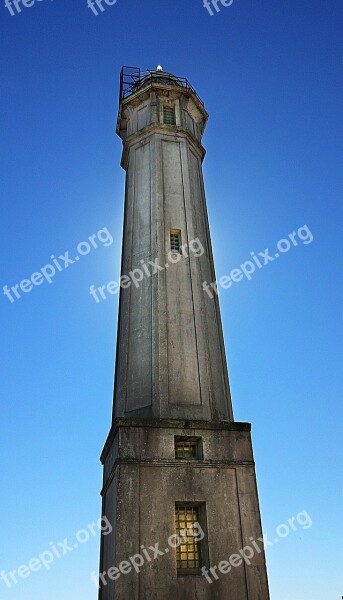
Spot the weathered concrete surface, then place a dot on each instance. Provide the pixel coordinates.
(170, 354)
(142, 482)
(171, 375)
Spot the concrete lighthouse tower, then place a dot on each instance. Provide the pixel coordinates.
(179, 479)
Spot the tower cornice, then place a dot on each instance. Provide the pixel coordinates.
(182, 424)
(159, 88)
(159, 128)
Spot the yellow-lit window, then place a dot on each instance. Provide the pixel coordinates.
(188, 448)
(188, 555)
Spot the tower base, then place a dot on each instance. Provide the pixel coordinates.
(145, 482)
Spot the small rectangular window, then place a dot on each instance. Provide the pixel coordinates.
(188, 554)
(188, 448)
(169, 117)
(191, 528)
(175, 240)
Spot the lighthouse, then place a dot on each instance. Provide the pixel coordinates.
(179, 485)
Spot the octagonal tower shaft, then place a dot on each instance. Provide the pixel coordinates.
(170, 352)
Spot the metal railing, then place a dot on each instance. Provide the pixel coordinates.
(131, 77)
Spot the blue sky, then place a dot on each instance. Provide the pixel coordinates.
(271, 77)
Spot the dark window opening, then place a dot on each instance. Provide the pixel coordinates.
(175, 240)
(169, 117)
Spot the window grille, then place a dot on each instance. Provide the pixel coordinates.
(175, 241)
(186, 449)
(169, 117)
(188, 555)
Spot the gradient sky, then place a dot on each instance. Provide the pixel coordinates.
(270, 74)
